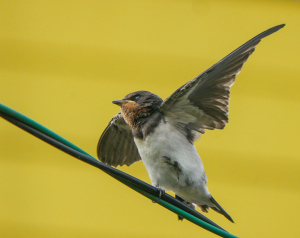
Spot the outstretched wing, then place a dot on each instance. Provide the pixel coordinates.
(116, 145)
(202, 103)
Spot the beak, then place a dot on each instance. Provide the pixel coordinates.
(121, 102)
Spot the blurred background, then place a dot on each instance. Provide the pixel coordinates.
(63, 62)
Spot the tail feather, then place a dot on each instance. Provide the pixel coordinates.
(220, 210)
(204, 208)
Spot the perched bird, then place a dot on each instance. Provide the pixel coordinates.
(162, 133)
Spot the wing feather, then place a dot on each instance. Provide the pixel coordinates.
(202, 103)
(116, 145)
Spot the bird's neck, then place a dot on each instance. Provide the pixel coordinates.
(147, 126)
(142, 122)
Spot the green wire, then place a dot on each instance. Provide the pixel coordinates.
(40, 127)
(186, 215)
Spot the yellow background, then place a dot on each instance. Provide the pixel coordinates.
(63, 62)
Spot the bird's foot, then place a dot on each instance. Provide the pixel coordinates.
(161, 194)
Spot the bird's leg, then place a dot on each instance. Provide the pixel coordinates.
(161, 193)
(189, 204)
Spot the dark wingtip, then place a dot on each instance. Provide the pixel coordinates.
(276, 28)
(267, 32)
(280, 26)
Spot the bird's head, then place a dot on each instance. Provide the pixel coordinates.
(138, 105)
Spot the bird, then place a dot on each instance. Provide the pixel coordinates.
(162, 133)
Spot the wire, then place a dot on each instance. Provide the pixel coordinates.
(141, 187)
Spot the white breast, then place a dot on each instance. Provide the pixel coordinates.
(167, 141)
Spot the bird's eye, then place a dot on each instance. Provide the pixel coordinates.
(136, 98)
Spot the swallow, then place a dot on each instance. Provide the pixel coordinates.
(162, 133)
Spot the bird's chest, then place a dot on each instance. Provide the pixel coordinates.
(161, 142)
(167, 156)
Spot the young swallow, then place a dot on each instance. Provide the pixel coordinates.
(162, 133)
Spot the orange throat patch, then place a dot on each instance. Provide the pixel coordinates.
(131, 111)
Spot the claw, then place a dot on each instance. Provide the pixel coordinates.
(161, 194)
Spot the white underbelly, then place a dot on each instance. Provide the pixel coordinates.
(167, 143)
